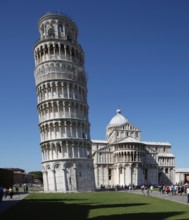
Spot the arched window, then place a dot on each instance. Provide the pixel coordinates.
(60, 28)
(69, 37)
(51, 33)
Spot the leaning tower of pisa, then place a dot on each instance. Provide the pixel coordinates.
(61, 87)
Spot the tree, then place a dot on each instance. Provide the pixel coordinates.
(37, 176)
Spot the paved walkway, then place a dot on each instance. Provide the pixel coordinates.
(175, 198)
(8, 202)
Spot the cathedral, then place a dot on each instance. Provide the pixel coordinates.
(124, 160)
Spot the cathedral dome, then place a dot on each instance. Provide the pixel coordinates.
(117, 120)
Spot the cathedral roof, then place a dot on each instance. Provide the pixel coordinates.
(117, 120)
(129, 140)
(157, 143)
(165, 155)
(182, 170)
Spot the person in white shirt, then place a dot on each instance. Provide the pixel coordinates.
(151, 188)
(187, 192)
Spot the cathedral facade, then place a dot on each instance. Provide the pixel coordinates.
(123, 159)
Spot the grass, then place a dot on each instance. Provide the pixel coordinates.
(95, 206)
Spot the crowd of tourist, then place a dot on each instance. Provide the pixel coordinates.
(6, 192)
(168, 190)
(173, 189)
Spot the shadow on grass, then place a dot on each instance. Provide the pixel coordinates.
(57, 208)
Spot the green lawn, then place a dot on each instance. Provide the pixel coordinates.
(95, 206)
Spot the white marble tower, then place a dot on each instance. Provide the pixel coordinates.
(61, 87)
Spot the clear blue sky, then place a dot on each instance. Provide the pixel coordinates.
(136, 57)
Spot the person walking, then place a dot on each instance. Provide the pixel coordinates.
(6, 192)
(10, 192)
(17, 189)
(187, 192)
(1, 193)
(142, 189)
(151, 188)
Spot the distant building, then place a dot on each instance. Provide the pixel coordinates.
(6, 177)
(123, 159)
(20, 176)
(182, 175)
(11, 176)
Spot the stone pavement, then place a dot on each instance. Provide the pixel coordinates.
(175, 198)
(8, 202)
